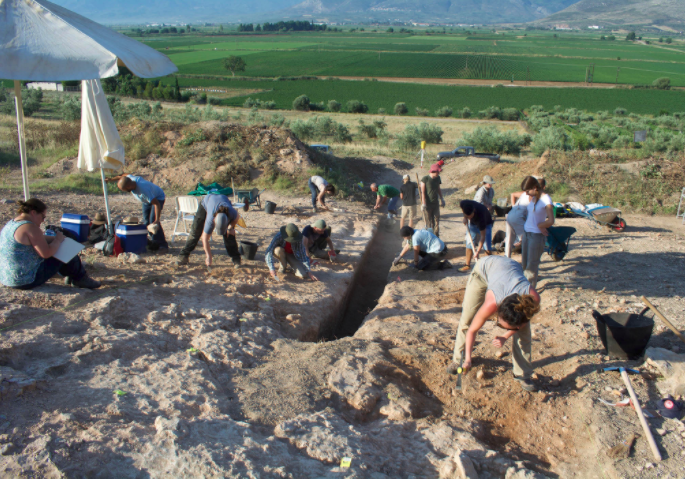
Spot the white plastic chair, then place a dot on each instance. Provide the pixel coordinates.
(186, 208)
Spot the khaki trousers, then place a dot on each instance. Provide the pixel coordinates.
(476, 288)
(290, 259)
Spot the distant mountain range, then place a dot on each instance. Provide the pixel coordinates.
(570, 12)
(441, 11)
(617, 13)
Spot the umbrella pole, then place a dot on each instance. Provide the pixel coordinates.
(104, 189)
(22, 138)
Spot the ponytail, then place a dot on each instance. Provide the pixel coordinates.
(517, 309)
(31, 205)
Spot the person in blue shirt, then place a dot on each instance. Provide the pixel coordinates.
(215, 212)
(287, 247)
(152, 197)
(428, 249)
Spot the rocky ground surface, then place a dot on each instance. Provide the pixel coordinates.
(168, 372)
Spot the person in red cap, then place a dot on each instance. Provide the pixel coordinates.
(430, 194)
(440, 163)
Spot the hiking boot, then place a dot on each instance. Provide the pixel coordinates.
(526, 384)
(181, 260)
(86, 282)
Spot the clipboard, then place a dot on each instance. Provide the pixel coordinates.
(67, 250)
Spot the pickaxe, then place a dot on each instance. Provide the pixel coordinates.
(645, 427)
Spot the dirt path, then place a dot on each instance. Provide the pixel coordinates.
(468, 81)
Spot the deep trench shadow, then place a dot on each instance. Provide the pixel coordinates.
(370, 279)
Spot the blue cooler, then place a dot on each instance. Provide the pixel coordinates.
(133, 237)
(78, 224)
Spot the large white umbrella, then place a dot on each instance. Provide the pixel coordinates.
(41, 41)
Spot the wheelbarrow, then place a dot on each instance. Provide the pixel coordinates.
(603, 215)
(556, 243)
(250, 196)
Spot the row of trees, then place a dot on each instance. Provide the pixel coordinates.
(291, 25)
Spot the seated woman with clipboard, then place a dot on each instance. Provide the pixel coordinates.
(28, 258)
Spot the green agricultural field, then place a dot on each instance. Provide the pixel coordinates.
(386, 94)
(518, 56)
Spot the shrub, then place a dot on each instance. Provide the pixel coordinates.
(421, 112)
(605, 137)
(249, 103)
(551, 138)
(663, 83)
(334, 106)
(381, 111)
(401, 108)
(465, 112)
(580, 141)
(301, 103)
(510, 114)
(355, 106)
(410, 139)
(620, 111)
(430, 133)
(540, 108)
(368, 131)
(342, 134)
(303, 129)
(70, 109)
(491, 113)
(443, 112)
(196, 136)
(317, 107)
(623, 141)
(677, 143)
(491, 140)
(270, 105)
(277, 120)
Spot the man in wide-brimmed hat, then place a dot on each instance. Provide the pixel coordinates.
(214, 213)
(152, 198)
(287, 246)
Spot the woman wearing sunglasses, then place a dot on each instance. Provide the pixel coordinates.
(497, 287)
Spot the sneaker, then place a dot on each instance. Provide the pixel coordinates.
(465, 268)
(526, 384)
(86, 282)
(181, 260)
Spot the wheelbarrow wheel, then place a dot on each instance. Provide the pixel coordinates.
(558, 256)
(620, 224)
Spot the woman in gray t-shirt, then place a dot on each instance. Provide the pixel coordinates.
(498, 287)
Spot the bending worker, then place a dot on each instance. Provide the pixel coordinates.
(152, 198)
(384, 192)
(319, 188)
(498, 287)
(287, 246)
(215, 212)
(478, 223)
(428, 249)
(317, 241)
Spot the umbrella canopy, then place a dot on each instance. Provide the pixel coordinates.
(41, 41)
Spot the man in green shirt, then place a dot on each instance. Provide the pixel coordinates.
(384, 192)
(430, 194)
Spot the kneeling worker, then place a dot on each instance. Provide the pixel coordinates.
(498, 287)
(428, 249)
(287, 246)
(215, 212)
(317, 241)
(152, 197)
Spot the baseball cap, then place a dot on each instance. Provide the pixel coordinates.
(435, 168)
(320, 224)
(221, 223)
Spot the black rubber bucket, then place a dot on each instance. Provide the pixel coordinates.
(248, 249)
(624, 335)
(269, 207)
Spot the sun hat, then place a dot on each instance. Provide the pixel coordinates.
(488, 179)
(131, 221)
(291, 233)
(435, 168)
(221, 223)
(100, 219)
(320, 224)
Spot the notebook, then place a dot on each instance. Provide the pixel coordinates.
(67, 250)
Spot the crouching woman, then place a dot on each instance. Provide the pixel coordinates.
(26, 254)
(497, 287)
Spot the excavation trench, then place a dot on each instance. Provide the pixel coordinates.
(370, 280)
